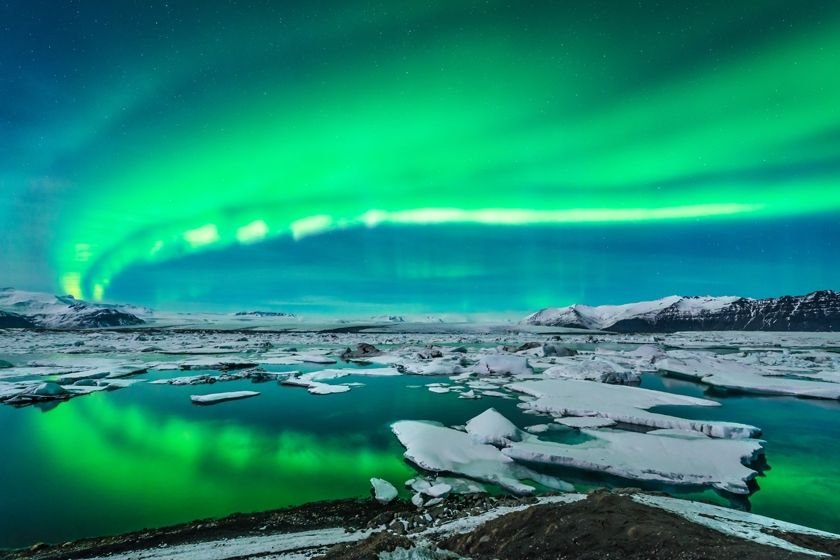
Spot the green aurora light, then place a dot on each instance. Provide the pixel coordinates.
(296, 120)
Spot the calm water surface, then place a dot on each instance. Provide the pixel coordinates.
(146, 457)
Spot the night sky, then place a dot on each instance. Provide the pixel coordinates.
(343, 157)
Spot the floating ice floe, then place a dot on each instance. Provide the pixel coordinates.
(326, 389)
(27, 372)
(439, 449)
(313, 380)
(210, 363)
(383, 491)
(316, 359)
(442, 485)
(255, 374)
(493, 428)
(662, 458)
(537, 428)
(436, 366)
(497, 394)
(221, 397)
(733, 376)
(629, 405)
(502, 364)
(29, 392)
(460, 485)
(315, 387)
(588, 422)
(114, 371)
(330, 374)
(592, 369)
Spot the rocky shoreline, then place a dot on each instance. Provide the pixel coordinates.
(600, 525)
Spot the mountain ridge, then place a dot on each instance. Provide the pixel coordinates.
(23, 309)
(816, 311)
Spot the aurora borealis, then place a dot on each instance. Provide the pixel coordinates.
(435, 156)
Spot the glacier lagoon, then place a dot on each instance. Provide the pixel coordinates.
(144, 456)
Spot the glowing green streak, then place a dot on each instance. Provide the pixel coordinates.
(482, 129)
(125, 452)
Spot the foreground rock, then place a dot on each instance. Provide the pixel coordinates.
(601, 525)
(612, 526)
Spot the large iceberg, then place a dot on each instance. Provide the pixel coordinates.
(734, 376)
(693, 460)
(439, 449)
(628, 405)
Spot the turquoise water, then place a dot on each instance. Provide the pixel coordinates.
(802, 446)
(146, 457)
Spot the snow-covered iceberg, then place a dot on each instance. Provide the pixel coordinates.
(628, 405)
(221, 397)
(663, 458)
(734, 376)
(592, 369)
(439, 449)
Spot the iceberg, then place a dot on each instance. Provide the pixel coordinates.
(383, 491)
(621, 403)
(663, 458)
(214, 398)
(502, 364)
(733, 376)
(493, 428)
(439, 449)
(594, 369)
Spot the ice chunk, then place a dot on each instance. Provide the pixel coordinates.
(731, 375)
(315, 387)
(649, 457)
(214, 398)
(328, 374)
(597, 369)
(326, 389)
(493, 428)
(502, 364)
(537, 428)
(383, 491)
(438, 490)
(622, 403)
(436, 448)
(587, 422)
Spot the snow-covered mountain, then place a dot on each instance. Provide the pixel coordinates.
(817, 311)
(22, 309)
(14, 321)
